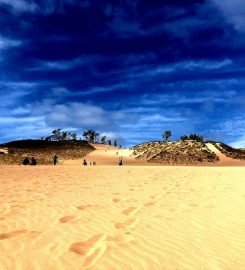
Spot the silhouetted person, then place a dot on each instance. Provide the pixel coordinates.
(26, 161)
(85, 162)
(55, 158)
(94, 163)
(120, 163)
(33, 161)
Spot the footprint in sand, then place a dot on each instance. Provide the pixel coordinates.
(120, 238)
(84, 207)
(158, 196)
(66, 219)
(127, 223)
(193, 205)
(116, 200)
(149, 204)
(4, 236)
(130, 211)
(91, 249)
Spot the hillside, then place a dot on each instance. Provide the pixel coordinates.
(230, 151)
(175, 153)
(14, 152)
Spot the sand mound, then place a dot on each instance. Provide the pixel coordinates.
(44, 151)
(108, 156)
(3, 151)
(230, 151)
(175, 153)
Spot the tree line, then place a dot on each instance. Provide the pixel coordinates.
(194, 137)
(89, 135)
(93, 136)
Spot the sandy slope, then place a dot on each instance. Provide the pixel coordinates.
(4, 150)
(109, 155)
(224, 160)
(122, 218)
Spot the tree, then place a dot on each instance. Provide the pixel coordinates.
(193, 137)
(196, 137)
(115, 143)
(109, 142)
(103, 139)
(166, 135)
(57, 135)
(184, 138)
(90, 135)
(72, 135)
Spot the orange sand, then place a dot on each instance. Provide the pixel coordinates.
(109, 155)
(109, 218)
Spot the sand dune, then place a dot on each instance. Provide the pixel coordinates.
(224, 160)
(122, 218)
(109, 155)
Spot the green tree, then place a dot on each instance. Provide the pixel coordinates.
(90, 135)
(193, 137)
(196, 137)
(184, 138)
(166, 135)
(103, 139)
(72, 135)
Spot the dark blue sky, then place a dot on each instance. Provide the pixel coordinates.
(129, 69)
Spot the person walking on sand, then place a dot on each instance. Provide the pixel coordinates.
(85, 162)
(55, 158)
(33, 161)
(120, 163)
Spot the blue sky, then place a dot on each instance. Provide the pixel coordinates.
(129, 69)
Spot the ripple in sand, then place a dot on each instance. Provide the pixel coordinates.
(66, 219)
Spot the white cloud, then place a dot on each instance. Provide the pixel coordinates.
(81, 115)
(45, 6)
(15, 120)
(13, 92)
(19, 5)
(196, 98)
(234, 12)
(6, 43)
(59, 65)
(239, 143)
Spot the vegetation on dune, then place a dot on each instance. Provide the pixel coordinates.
(175, 153)
(192, 137)
(166, 135)
(89, 135)
(190, 150)
(64, 144)
(229, 151)
(60, 135)
(44, 151)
